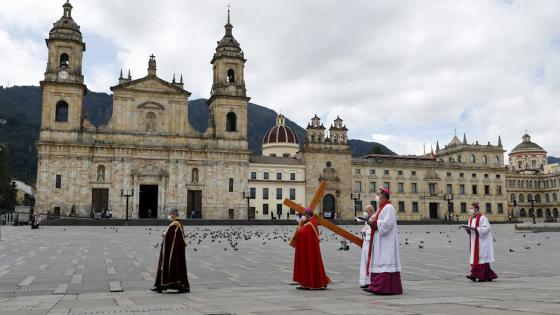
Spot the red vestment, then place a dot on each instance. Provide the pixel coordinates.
(309, 271)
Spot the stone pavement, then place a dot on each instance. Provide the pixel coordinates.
(103, 270)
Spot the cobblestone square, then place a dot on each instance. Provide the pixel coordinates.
(100, 270)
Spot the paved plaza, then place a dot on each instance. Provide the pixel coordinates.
(247, 270)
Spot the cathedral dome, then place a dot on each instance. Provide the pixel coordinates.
(527, 145)
(280, 140)
(280, 133)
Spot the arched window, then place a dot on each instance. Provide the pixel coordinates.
(529, 198)
(313, 137)
(151, 122)
(101, 173)
(230, 76)
(539, 213)
(485, 159)
(555, 213)
(61, 112)
(473, 159)
(522, 213)
(531, 212)
(538, 198)
(460, 159)
(554, 197)
(64, 61)
(521, 198)
(547, 198)
(512, 197)
(231, 122)
(194, 176)
(548, 213)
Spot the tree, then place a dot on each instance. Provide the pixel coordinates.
(7, 188)
(377, 149)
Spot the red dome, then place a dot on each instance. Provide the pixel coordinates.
(280, 134)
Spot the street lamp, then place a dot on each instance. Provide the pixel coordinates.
(531, 200)
(357, 202)
(127, 195)
(513, 209)
(248, 197)
(449, 198)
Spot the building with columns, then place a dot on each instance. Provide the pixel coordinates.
(147, 147)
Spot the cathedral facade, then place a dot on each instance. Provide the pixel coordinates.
(147, 150)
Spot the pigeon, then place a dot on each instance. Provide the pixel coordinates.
(527, 247)
(406, 243)
(539, 244)
(511, 250)
(449, 241)
(421, 242)
(420, 246)
(195, 249)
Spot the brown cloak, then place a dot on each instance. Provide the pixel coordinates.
(172, 265)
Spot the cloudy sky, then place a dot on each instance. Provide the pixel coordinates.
(404, 73)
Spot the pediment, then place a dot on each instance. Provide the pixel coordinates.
(151, 84)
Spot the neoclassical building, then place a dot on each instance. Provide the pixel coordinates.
(147, 149)
(533, 185)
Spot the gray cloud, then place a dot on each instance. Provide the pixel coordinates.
(408, 72)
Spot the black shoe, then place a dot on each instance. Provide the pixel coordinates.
(364, 286)
(156, 289)
(184, 290)
(473, 279)
(368, 290)
(302, 288)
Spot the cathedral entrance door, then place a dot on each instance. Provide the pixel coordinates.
(148, 207)
(99, 200)
(433, 210)
(194, 204)
(329, 208)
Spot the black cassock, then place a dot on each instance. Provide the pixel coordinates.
(172, 265)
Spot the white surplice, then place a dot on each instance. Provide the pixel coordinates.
(386, 257)
(485, 241)
(366, 234)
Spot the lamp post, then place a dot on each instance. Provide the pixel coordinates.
(449, 198)
(248, 197)
(127, 195)
(513, 209)
(531, 200)
(356, 199)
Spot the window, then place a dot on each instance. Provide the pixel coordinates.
(473, 175)
(279, 210)
(252, 192)
(460, 159)
(358, 186)
(533, 164)
(230, 76)
(485, 159)
(449, 188)
(413, 173)
(278, 176)
(462, 189)
(292, 193)
(463, 207)
(498, 176)
(554, 197)
(461, 174)
(292, 176)
(231, 185)
(485, 175)
(371, 172)
(432, 188)
(487, 189)
(414, 206)
(253, 175)
(497, 160)
(473, 159)
(401, 206)
(414, 188)
(265, 193)
(521, 198)
(448, 174)
(400, 187)
(265, 209)
(400, 173)
(387, 185)
(231, 122)
(357, 171)
(265, 175)
(386, 172)
(474, 190)
(64, 61)
(537, 198)
(372, 187)
(151, 122)
(500, 207)
(498, 190)
(61, 112)
(488, 207)
(278, 193)
(58, 182)
(520, 164)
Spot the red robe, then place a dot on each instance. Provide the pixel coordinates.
(309, 271)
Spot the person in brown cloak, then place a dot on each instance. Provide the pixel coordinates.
(172, 265)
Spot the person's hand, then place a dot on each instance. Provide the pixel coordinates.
(303, 219)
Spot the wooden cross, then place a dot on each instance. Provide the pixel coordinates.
(322, 221)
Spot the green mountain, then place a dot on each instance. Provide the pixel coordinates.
(20, 118)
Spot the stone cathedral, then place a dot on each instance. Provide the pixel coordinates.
(147, 149)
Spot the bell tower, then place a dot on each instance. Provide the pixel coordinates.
(63, 85)
(228, 97)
